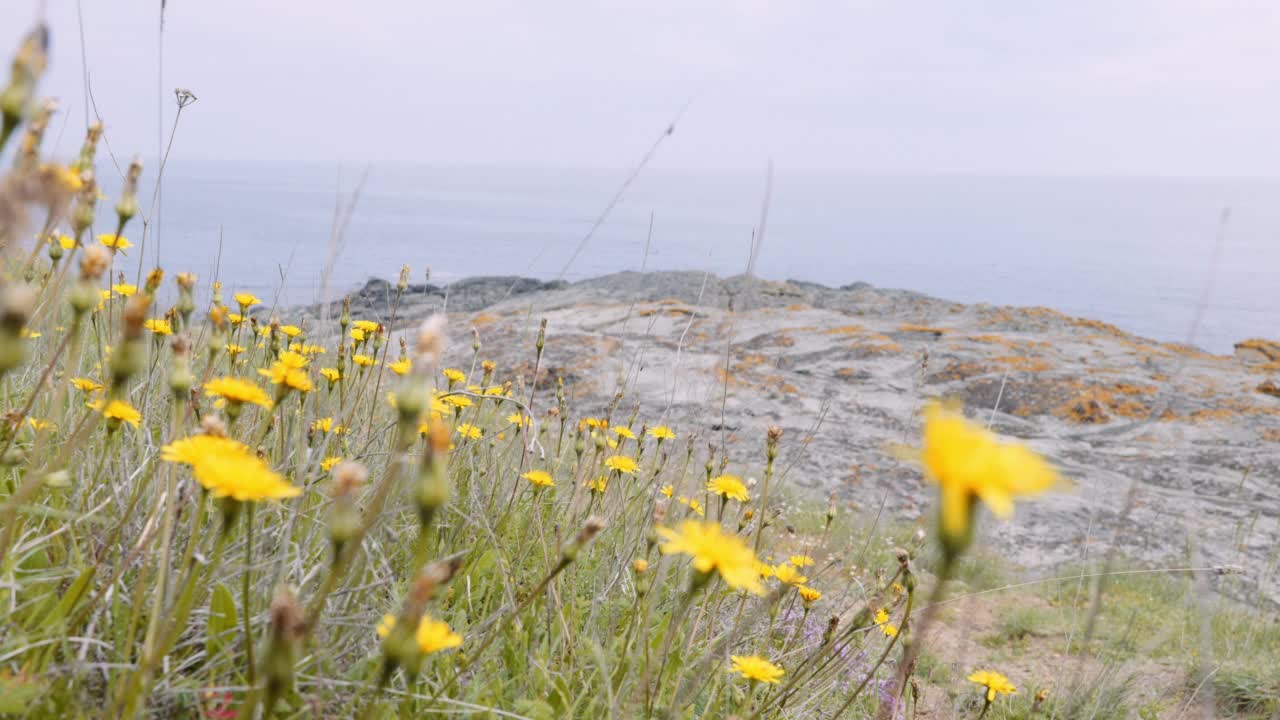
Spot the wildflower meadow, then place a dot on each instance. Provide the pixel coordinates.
(212, 509)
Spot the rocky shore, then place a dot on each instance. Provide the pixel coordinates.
(1173, 453)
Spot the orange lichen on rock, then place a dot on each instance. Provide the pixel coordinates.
(1258, 350)
(844, 330)
(1269, 387)
(1023, 363)
(913, 328)
(1096, 404)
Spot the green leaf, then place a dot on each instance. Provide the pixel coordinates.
(222, 617)
(74, 594)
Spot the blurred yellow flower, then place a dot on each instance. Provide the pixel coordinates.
(158, 326)
(667, 490)
(115, 242)
(85, 384)
(809, 595)
(994, 682)
(124, 289)
(238, 390)
(291, 330)
(357, 334)
(401, 367)
(540, 478)
(625, 432)
(728, 486)
(519, 419)
(756, 669)
(366, 326)
(467, 430)
(714, 550)
(385, 625)
(362, 360)
(599, 484)
(435, 635)
(622, 464)
(328, 463)
(787, 573)
(233, 349)
(969, 464)
(800, 560)
(246, 300)
(281, 374)
(458, 401)
(331, 374)
(454, 375)
(122, 411)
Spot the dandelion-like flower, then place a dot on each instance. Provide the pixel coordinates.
(787, 573)
(969, 464)
(436, 635)
(328, 463)
(622, 464)
(454, 375)
(400, 367)
(540, 478)
(121, 411)
(246, 300)
(621, 431)
(333, 375)
(469, 431)
(362, 360)
(115, 242)
(124, 289)
(237, 390)
(158, 326)
(800, 561)
(281, 373)
(365, 326)
(756, 668)
(85, 384)
(712, 549)
(241, 476)
(729, 487)
(994, 682)
(662, 432)
(809, 595)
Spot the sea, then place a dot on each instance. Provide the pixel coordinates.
(1172, 259)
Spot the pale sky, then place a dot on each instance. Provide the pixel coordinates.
(1144, 87)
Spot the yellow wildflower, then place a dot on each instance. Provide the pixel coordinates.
(385, 625)
(454, 375)
(124, 289)
(800, 560)
(599, 484)
(622, 464)
(969, 464)
(662, 432)
(667, 490)
(246, 300)
(281, 374)
(519, 419)
(291, 330)
(788, 574)
(625, 432)
(190, 450)
(357, 334)
(756, 668)
(467, 430)
(115, 242)
(331, 374)
(458, 401)
(235, 318)
(233, 349)
(809, 595)
(714, 550)
(435, 635)
(366, 326)
(85, 384)
(994, 682)
(237, 390)
(122, 411)
(540, 478)
(362, 360)
(729, 487)
(328, 463)
(293, 360)
(401, 367)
